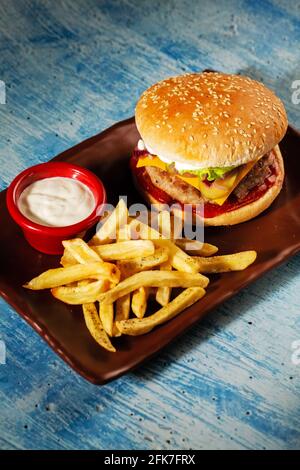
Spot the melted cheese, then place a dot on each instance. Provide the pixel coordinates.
(151, 161)
(217, 192)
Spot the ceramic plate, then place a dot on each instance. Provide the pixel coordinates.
(275, 235)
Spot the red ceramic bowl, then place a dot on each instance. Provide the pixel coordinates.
(48, 239)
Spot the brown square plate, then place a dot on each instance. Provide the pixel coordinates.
(275, 235)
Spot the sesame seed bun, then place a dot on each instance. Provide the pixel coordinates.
(210, 119)
(242, 214)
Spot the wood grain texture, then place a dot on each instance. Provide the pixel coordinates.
(72, 68)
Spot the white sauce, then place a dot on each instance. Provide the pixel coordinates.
(179, 166)
(141, 145)
(56, 202)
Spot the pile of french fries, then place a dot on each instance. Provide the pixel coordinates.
(127, 262)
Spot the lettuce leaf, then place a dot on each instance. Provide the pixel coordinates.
(210, 173)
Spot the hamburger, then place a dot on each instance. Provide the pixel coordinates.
(210, 140)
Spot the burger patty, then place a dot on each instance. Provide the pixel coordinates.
(183, 192)
(257, 176)
(178, 189)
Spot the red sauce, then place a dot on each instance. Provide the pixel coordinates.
(210, 210)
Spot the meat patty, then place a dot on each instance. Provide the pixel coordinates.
(178, 189)
(257, 176)
(183, 192)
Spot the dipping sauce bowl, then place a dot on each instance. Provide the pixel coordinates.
(42, 237)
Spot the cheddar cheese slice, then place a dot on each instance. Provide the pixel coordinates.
(151, 161)
(219, 190)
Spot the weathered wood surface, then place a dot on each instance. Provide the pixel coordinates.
(72, 68)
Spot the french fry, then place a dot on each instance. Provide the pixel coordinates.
(125, 250)
(122, 312)
(176, 227)
(226, 263)
(163, 293)
(95, 326)
(164, 224)
(77, 251)
(123, 307)
(154, 279)
(85, 292)
(123, 233)
(139, 326)
(67, 259)
(123, 303)
(136, 265)
(179, 259)
(80, 251)
(106, 313)
(174, 230)
(139, 302)
(73, 284)
(140, 230)
(195, 247)
(108, 231)
(61, 276)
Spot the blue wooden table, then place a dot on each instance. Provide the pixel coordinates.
(71, 69)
